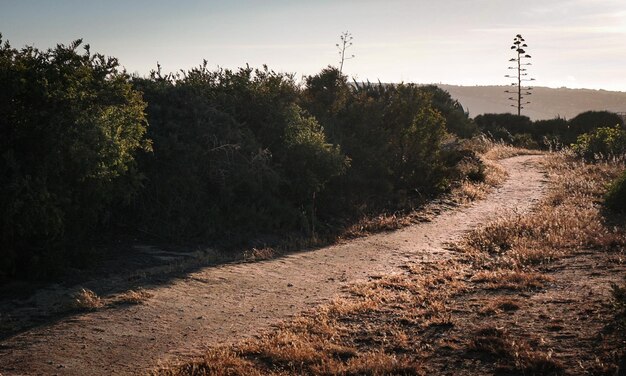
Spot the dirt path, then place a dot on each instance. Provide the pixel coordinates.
(227, 303)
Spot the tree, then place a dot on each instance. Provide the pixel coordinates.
(518, 46)
(342, 46)
(70, 127)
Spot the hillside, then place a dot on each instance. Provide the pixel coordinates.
(546, 103)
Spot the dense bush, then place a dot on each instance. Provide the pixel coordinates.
(601, 143)
(502, 127)
(391, 133)
(70, 124)
(458, 121)
(616, 196)
(233, 153)
(586, 122)
(551, 133)
(228, 155)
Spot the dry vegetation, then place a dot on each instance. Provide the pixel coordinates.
(463, 192)
(528, 294)
(87, 300)
(137, 296)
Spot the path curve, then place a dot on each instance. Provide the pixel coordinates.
(226, 303)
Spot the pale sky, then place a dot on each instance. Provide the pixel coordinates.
(574, 43)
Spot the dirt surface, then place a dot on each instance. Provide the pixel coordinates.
(224, 304)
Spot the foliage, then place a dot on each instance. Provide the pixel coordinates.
(233, 153)
(587, 121)
(616, 196)
(457, 119)
(601, 143)
(552, 134)
(71, 124)
(502, 127)
(391, 133)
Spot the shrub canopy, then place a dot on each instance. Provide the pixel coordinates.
(233, 154)
(601, 143)
(70, 124)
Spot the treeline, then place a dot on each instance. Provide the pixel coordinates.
(237, 153)
(554, 133)
(206, 155)
(202, 155)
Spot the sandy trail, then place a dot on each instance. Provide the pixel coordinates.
(226, 303)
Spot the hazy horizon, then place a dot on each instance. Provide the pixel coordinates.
(574, 43)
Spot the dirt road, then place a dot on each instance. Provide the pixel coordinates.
(227, 303)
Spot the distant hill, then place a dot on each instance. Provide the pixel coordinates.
(546, 103)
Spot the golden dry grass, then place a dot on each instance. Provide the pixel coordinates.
(137, 296)
(492, 150)
(569, 219)
(85, 300)
(422, 320)
(510, 280)
(513, 354)
(373, 332)
(259, 254)
(500, 304)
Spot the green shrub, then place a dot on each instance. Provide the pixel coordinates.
(234, 155)
(616, 196)
(70, 127)
(457, 119)
(550, 133)
(588, 121)
(524, 140)
(503, 127)
(392, 135)
(601, 143)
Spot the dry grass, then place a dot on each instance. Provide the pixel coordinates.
(137, 296)
(373, 332)
(510, 280)
(381, 223)
(500, 304)
(85, 300)
(569, 219)
(513, 354)
(425, 320)
(492, 150)
(259, 254)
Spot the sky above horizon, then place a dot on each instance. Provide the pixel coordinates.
(574, 43)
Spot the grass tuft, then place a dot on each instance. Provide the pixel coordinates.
(85, 300)
(513, 354)
(137, 296)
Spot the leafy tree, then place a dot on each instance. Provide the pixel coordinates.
(70, 127)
